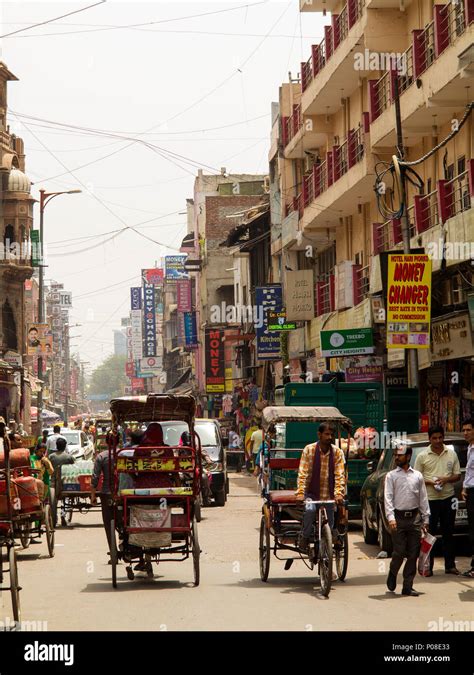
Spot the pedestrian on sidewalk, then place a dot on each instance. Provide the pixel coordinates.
(468, 487)
(439, 466)
(405, 500)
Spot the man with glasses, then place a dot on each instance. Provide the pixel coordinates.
(405, 501)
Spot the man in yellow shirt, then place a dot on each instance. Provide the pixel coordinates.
(439, 466)
(321, 477)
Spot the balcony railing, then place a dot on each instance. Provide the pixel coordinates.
(334, 37)
(325, 294)
(293, 123)
(362, 284)
(454, 196)
(450, 198)
(428, 43)
(424, 48)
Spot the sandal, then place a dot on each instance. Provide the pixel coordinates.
(469, 573)
(453, 570)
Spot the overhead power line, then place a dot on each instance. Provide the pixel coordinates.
(42, 23)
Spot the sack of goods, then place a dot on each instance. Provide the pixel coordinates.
(427, 543)
(146, 516)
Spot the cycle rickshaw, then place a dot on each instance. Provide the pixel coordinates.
(282, 513)
(155, 487)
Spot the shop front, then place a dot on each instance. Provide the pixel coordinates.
(447, 372)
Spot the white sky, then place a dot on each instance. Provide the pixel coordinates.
(131, 80)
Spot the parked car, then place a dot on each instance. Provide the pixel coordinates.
(79, 444)
(374, 522)
(213, 445)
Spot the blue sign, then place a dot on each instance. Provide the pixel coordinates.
(136, 297)
(268, 343)
(149, 320)
(190, 330)
(174, 265)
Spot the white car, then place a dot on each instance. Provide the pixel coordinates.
(79, 444)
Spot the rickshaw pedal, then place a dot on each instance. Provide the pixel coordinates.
(288, 563)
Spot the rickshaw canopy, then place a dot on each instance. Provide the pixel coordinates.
(153, 407)
(279, 414)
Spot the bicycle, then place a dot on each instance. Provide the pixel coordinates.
(321, 553)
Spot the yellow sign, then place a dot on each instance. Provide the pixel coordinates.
(128, 464)
(408, 301)
(229, 387)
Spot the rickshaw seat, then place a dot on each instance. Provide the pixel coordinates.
(282, 496)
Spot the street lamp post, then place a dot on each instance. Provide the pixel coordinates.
(45, 198)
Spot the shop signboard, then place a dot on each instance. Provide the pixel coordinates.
(299, 295)
(149, 320)
(153, 276)
(215, 363)
(363, 368)
(135, 298)
(175, 267)
(277, 321)
(408, 301)
(452, 338)
(190, 330)
(183, 293)
(354, 341)
(267, 298)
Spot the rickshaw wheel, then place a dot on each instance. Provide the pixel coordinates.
(325, 560)
(196, 551)
(264, 549)
(48, 521)
(25, 534)
(14, 587)
(342, 557)
(113, 553)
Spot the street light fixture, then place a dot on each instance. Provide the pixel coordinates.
(45, 198)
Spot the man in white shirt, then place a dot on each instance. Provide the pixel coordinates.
(468, 487)
(440, 468)
(405, 500)
(51, 442)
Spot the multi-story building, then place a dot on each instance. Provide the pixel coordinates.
(16, 222)
(220, 203)
(334, 132)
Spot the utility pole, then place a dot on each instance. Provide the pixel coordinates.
(413, 374)
(67, 375)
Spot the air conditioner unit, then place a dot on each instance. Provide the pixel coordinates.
(344, 285)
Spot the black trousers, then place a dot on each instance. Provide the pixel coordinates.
(470, 517)
(442, 520)
(406, 544)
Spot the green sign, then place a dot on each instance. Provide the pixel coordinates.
(347, 342)
(35, 248)
(277, 321)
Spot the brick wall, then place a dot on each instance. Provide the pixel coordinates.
(217, 208)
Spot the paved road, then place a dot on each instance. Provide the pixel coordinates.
(73, 591)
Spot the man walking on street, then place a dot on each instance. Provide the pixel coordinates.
(321, 477)
(468, 488)
(440, 469)
(405, 500)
